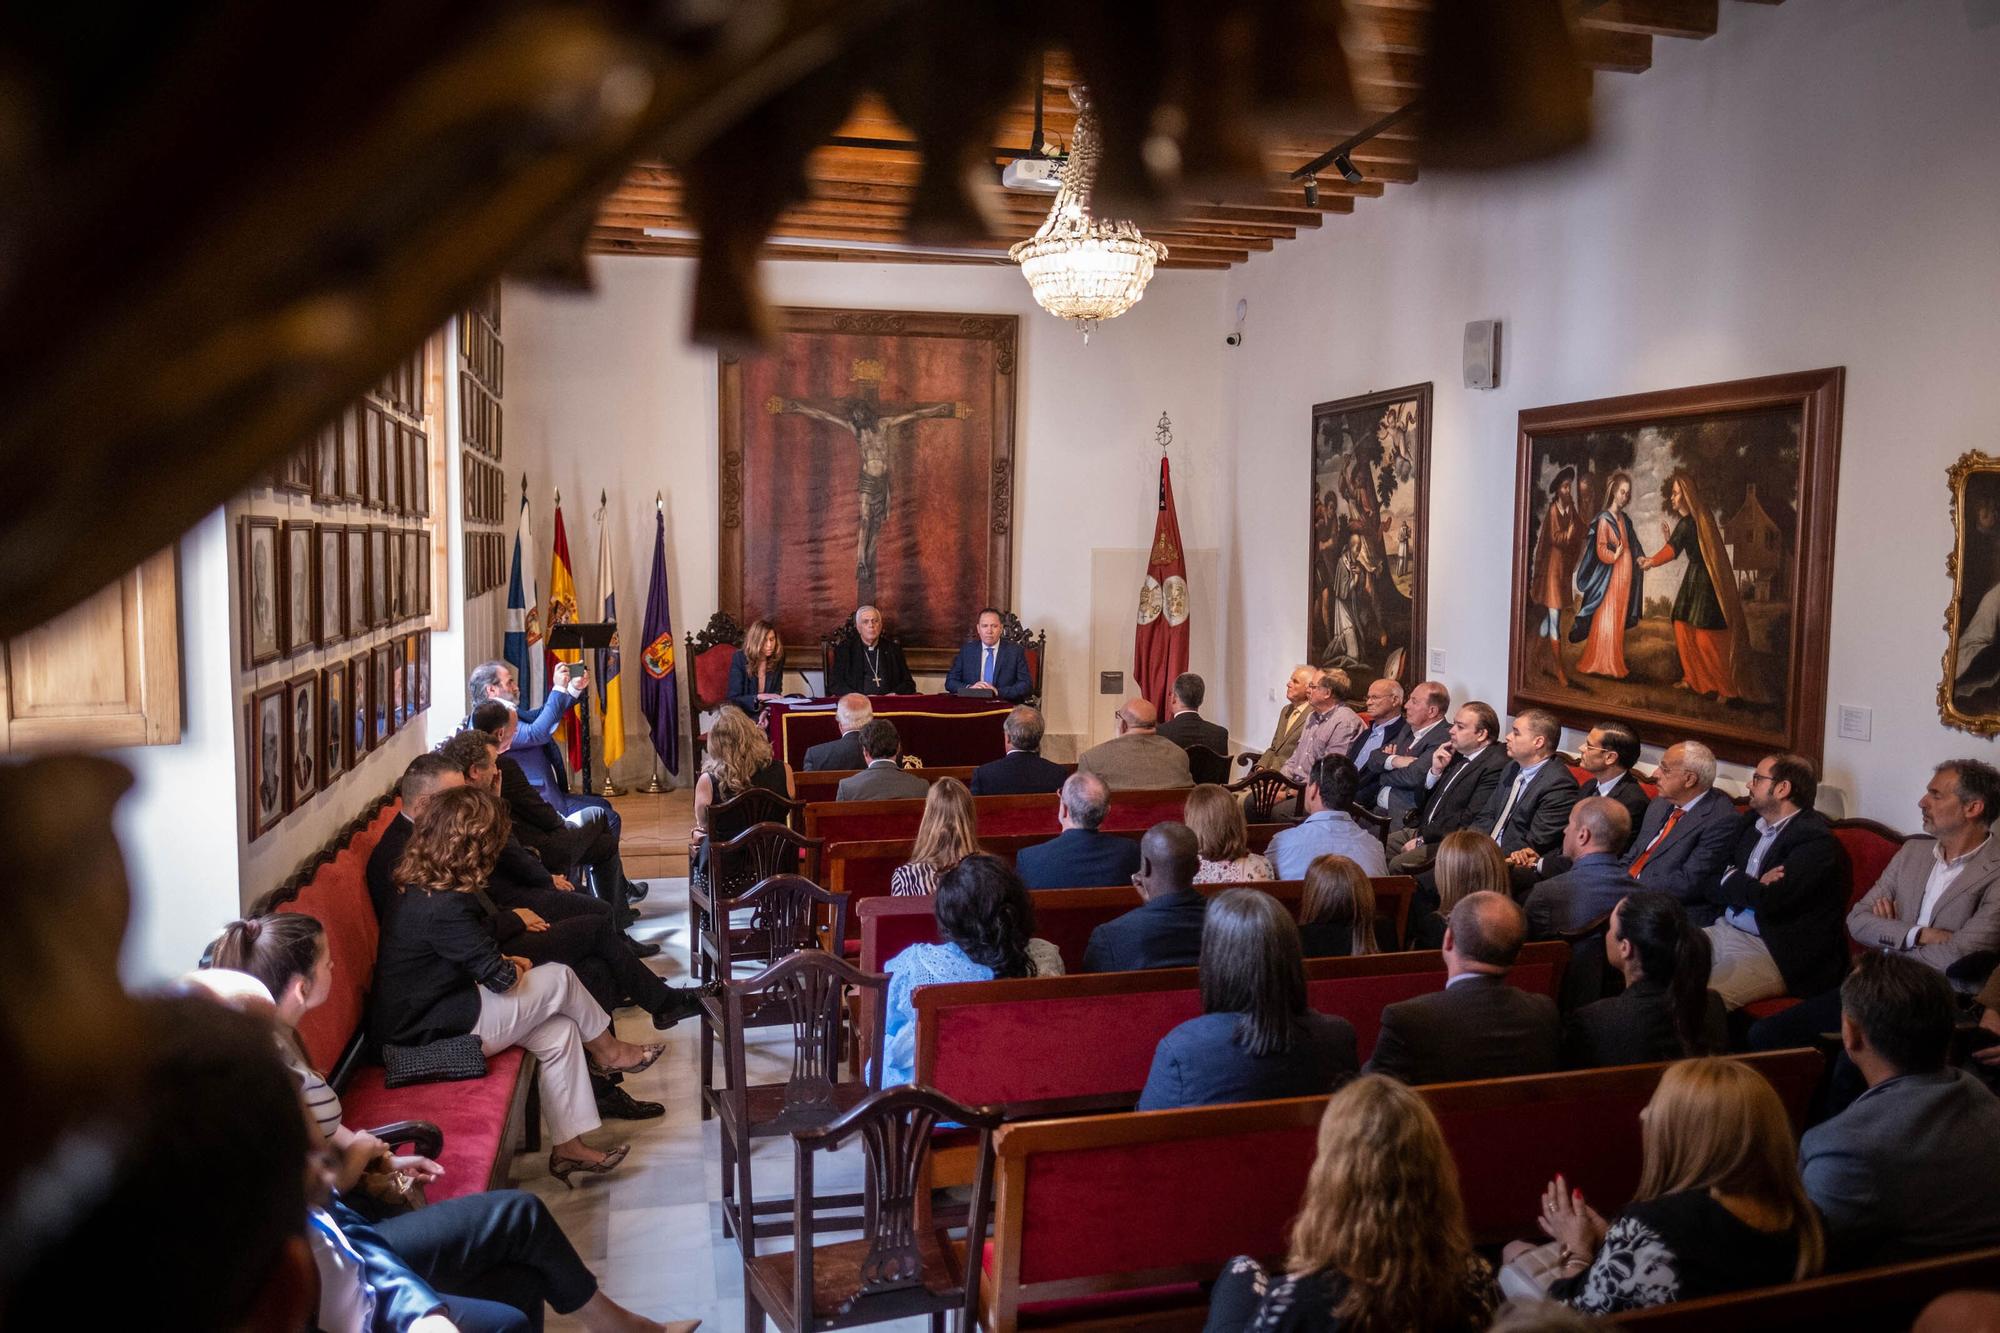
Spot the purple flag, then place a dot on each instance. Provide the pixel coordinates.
(659, 695)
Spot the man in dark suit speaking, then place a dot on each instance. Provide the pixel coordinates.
(986, 666)
(1478, 1026)
(1021, 771)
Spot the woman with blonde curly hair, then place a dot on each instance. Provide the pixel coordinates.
(439, 975)
(737, 756)
(948, 834)
(1223, 837)
(1337, 910)
(1467, 862)
(1380, 1243)
(1721, 1206)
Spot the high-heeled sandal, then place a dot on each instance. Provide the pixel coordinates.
(562, 1168)
(652, 1051)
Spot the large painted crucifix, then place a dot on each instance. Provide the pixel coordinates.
(873, 424)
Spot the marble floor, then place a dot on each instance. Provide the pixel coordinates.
(652, 1229)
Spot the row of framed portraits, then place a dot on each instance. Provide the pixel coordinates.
(479, 416)
(486, 562)
(364, 456)
(305, 733)
(485, 491)
(404, 387)
(314, 585)
(485, 358)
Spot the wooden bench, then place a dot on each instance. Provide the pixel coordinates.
(869, 821)
(1060, 1045)
(1886, 1297)
(1114, 1221)
(481, 1119)
(1065, 917)
(862, 870)
(1869, 847)
(821, 784)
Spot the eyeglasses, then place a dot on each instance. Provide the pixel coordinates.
(1762, 777)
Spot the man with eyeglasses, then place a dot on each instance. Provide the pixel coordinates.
(1331, 727)
(1607, 755)
(1784, 932)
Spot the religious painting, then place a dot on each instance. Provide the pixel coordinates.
(258, 588)
(266, 738)
(1370, 509)
(333, 722)
(302, 703)
(332, 584)
(361, 715)
(1673, 558)
(869, 458)
(355, 567)
(1969, 693)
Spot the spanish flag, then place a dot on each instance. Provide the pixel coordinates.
(610, 695)
(562, 611)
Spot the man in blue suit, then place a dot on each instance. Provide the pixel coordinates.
(1593, 848)
(1164, 930)
(1022, 770)
(989, 667)
(1080, 857)
(1688, 833)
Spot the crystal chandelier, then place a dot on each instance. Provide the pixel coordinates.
(1080, 268)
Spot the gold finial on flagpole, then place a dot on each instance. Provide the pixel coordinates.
(558, 495)
(1163, 434)
(524, 485)
(659, 502)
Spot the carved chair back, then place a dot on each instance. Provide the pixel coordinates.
(808, 991)
(1264, 791)
(1207, 766)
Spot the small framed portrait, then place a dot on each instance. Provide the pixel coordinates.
(399, 698)
(266, 737)
(360, 710)
(301, 589)
(378, 577)
(371, 457)
(413, 556)
(385, 462)
(379, 699)
(296, 474)
(424, 581)
(333, 723)
(1969, 690)
(258, 586)
(406, 470)
(354, 567)
(332, 583)
(424, 669)
(420, 448)
(397, 610)
(326, 463)
(302, 717)
(411, 700)
(350, 455)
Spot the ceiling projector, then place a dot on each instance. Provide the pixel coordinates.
(1033, 173)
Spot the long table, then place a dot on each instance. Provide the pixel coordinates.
(943, 730)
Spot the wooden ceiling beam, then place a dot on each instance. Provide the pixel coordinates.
(1285, 196)
(670, 249)
(1690, 20)
(808, 223)
(1399, 36)
(1194, 248)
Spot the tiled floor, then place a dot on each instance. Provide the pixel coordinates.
(652, 1230)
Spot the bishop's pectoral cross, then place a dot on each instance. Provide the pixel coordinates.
(872, 423)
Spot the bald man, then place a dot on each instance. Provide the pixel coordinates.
(1138, 757)
(1164, 930)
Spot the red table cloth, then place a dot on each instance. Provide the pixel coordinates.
(943, 730)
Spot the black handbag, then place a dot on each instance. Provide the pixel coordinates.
(450, 1060)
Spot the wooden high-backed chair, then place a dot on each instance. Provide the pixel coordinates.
(706, 665)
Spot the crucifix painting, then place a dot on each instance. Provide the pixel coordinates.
(868, 459)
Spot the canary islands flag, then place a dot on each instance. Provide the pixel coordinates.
(562, 611)
(610, 693)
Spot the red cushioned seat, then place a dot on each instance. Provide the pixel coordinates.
(1133, 1304)
(338, 896)
(1766, 1008)
(472, 1114)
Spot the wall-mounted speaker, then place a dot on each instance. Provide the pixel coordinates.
(1482, 354)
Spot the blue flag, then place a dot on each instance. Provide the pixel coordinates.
(659, 695)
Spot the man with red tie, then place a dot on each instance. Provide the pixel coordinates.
(1688, 833)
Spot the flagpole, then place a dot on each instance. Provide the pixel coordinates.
(609, 788)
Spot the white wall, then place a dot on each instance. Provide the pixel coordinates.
(1817, 185)
(604, 392)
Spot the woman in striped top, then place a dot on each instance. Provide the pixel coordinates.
(948, 835)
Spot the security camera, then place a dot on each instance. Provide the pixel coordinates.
(1234, 340)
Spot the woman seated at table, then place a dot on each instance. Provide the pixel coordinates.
(988, 928)
(1224, 839)
(738, 757)
(1467, 862)
(1255, 1039)
(1380, 1241)
(1666, 1010)
(756, 672)
(489, 1254)
(438, 974)
(1720, 1206)
(947, 836)
(1337, 916)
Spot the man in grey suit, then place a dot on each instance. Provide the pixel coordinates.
(1912, 1168)
(1185, 725)
(1939, 898)
(1688, 833)
(1478, 1026)
(853, 712)
(1593, 845)
(883, 779)
(1138, 757)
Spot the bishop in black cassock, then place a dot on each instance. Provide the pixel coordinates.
(861, 667)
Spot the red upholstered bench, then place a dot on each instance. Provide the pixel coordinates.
(1870, 847)
(1107, 1219)
(1887, 1297)
(481, 1119)
(867, 821)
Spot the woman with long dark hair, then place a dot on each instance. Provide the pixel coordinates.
(987, 928)
(1255, 1038)
(1666, 1010)
(1380, 1243)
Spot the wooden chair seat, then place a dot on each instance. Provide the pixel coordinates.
(837, 1276)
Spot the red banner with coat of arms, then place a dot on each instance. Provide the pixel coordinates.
(1160, 651)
